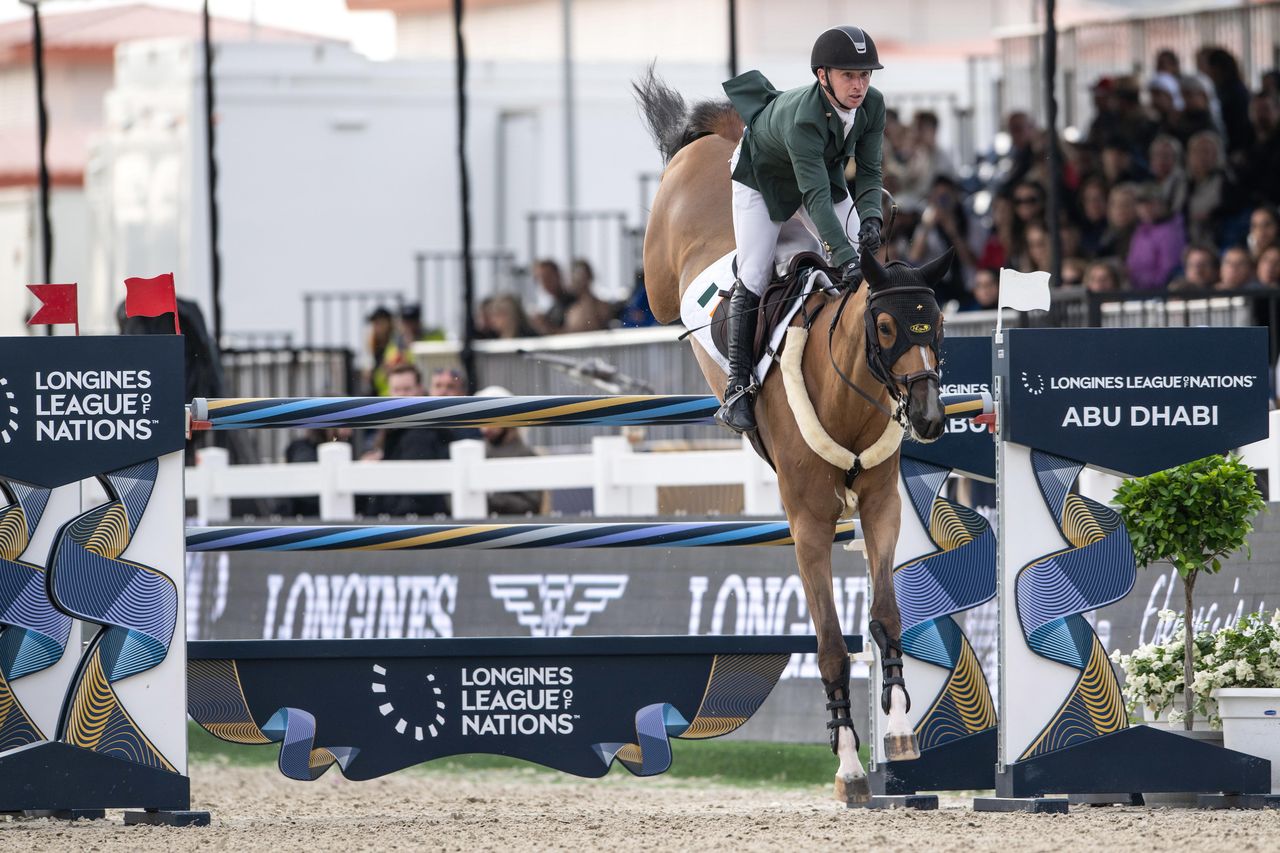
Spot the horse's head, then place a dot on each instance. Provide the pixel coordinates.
(904, 337)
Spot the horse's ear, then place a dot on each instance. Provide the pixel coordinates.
(937, 268)
(872, 271)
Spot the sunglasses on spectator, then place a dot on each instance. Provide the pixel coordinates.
(446, 371)
(1026, 199)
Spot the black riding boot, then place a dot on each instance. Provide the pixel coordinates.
(737, 413)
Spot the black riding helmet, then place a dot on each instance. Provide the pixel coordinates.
(844, 47)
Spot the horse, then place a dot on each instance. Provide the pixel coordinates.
(881, 384)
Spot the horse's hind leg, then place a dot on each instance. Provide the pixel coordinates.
(813, 555)
(881, 509)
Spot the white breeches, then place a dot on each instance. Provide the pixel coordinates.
(756, 234)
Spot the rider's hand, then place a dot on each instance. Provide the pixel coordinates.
(850, 275)
(869, 234)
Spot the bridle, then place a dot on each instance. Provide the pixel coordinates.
(914, 309)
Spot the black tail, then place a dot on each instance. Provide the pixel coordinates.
(673, 125)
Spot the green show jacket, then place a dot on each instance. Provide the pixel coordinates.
(794, 152)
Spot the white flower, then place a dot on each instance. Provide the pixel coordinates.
(1169, 616)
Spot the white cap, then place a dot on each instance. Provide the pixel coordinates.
(494, 391)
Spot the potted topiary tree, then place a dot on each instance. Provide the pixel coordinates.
(1191, 516)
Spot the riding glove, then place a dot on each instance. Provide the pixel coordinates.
(869, 234)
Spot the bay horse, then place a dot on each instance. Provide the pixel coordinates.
(690, 227)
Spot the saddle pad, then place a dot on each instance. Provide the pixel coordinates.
(702, 299)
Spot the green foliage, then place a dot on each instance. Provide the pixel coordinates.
(1192, 515)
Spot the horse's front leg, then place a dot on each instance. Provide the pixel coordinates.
(881, 509)
(813, 555)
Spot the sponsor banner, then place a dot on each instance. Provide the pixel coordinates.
(737, 591)
(1136, 401)
(74, 407)
(966, 446)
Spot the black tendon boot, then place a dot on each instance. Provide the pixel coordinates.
(900, 746)
(838, 705)
(737, 413)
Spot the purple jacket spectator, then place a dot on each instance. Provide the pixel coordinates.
(1155, 253)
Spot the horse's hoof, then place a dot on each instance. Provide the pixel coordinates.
(901, 747)
(853, 791)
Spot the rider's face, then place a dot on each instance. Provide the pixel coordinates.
(849, 85)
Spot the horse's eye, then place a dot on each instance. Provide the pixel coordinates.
(884, 328)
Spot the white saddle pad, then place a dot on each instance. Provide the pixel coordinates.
(704, 297)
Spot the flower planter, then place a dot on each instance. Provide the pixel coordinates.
(1251, 723)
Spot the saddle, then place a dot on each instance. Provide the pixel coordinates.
(775, 304)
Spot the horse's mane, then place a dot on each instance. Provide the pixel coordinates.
(673, 125)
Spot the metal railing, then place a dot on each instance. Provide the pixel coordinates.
(603, 237)
(283, 372)
(337, 318)
(438, 277)
(1088, 51)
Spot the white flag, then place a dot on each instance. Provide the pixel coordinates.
(1024, 291)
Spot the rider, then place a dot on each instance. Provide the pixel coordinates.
(791, 160)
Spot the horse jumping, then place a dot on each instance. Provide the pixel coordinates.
(877, 368)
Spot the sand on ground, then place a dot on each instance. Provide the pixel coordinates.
(255, 809)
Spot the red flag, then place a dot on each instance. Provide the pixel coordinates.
(57, 305)
(151, 297)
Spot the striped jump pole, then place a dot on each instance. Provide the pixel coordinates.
(432, 537)
(636, 410)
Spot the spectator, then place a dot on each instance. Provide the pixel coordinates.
(1156, 248)
(1021, 133)
(1166, 101)
(446, 382)
(1117, 162)
(1167, 62)
(1237, 270)
(1197, 115)
(547, 275)
(986, 291)
(635, 311)
(1233, 99)
(1165, 157)
(1122, 219)
(1093, 216)
(924, 162)
(587, 313)
(944, 225)
(1264, 230)
(1073, 270)
(896, 155)
(1104, 276)
(379, 338)
(1199, 269)
(1261, 170)
(1271, 83)
(505, 317)
(1002, 240)
(1269, 267)
(508, 443)
(409, 330)
(1208, 187)
(404, 380)
(1038, 249)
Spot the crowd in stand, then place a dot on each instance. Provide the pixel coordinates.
(1172, 187)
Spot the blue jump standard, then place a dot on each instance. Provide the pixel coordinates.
(965, 764)
(1132, 760)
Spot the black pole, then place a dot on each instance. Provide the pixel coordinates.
(42, 129)
(733, 38)
(1051, 128)
(464, 191)
(211, 168)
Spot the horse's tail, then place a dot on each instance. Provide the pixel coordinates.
(673, 125)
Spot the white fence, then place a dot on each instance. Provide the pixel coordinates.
(623, 482)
